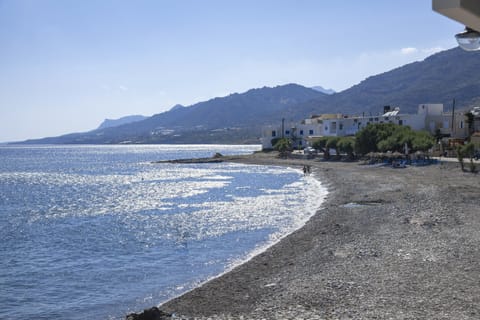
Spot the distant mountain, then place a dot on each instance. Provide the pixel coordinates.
(177, 106)
(108, 123)
(238, 118)
(438, 79)
(323, 90)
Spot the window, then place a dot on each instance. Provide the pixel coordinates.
(386, 118)
(376, 119)
(310, 132)
(301, 132)
(287, 132)
(400, 122)
(274, 133)
(371, 119)
(340, 126)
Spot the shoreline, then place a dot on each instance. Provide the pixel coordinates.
(260, 249)
(387, 243)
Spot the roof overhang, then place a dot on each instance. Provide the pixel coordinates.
(467, 12)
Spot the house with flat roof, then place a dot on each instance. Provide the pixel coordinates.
(429, 117)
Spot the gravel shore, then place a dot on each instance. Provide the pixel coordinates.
(387, 244)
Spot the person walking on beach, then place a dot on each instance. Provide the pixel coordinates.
(304, 170)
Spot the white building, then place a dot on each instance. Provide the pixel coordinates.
(429, 117)
(297, 132)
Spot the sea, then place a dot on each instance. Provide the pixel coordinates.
(97, 232)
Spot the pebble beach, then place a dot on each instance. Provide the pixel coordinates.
(386, 244)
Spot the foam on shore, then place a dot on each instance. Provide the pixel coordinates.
(315, 193)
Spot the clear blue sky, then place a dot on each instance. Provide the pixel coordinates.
(65, 65)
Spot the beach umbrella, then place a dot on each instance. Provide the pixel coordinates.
(389, 155)
(420, 154)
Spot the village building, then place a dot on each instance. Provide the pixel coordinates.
(429, 117)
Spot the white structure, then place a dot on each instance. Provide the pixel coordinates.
(298, 132)
(429, 117)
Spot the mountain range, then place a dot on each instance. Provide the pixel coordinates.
(238, 118)
(323, 90)
(108, 123)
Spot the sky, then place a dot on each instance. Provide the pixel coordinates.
(66, 65)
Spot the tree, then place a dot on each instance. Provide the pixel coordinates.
(283, 145)
(422, 141)
(466, 151)
(391, 137)
(438, 135)
(470, 120)
(366, 140)
(347, 145)
(321, 144)
(469, 152)
(392, 143)
(332, 143)
(274, 141)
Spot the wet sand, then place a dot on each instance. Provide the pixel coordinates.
(387, 244)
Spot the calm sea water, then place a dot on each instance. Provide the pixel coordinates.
(99, 231)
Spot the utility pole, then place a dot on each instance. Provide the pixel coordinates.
(283, 128)
(453, 118)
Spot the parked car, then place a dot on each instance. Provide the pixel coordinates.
(309, 150)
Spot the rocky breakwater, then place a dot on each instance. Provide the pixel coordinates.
(216, 158)
(150, 314)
